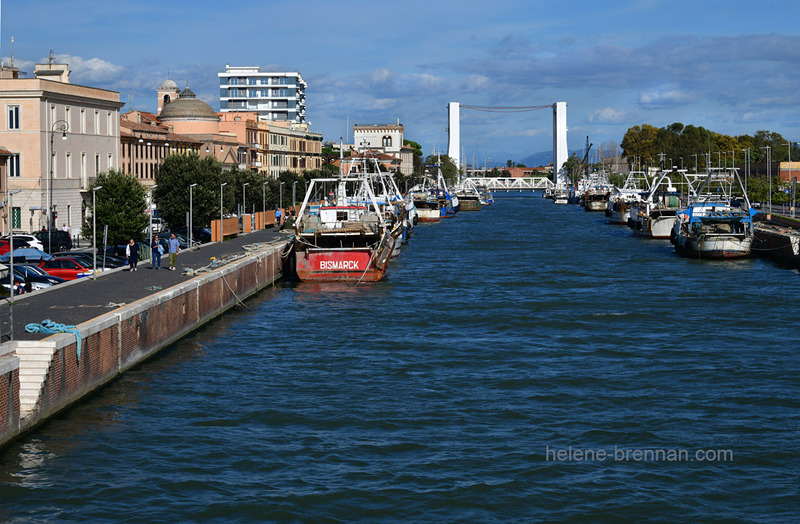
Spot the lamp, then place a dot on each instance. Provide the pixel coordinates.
(264, 202)
(221, 230)
(191, 225)
(11, 263)
(63, 126)
(94, 232)
(244, 208)
(150, 213)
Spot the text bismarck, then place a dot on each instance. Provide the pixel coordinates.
(333, 265)
(618, 454)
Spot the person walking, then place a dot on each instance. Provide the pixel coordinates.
(174, 248)
(132, 252)
(157, 250)
(278, 221)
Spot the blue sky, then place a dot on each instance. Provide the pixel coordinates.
(730, 66)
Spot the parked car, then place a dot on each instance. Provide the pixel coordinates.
(199, 234)
(86, 257)
(66, 268)
(29, 240)
(5, 245)
(35, 273)
(5, 285)
(158, 226)
(54, 240)
(37, 281)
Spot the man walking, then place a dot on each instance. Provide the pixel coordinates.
(174, 249)
(278, 221)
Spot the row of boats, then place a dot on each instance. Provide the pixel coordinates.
(349, 227)
(704, 215)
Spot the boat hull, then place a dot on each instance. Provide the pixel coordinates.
(324, 265)
(468, 204)
(714, 246)
(595, 205)
(428, 215)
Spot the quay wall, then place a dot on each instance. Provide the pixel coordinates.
(54, 376)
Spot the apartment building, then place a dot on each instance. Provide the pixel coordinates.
(274, 147)
(274, 96)
(59, 136)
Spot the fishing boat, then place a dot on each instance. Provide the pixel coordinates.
(716, 224)
(343, 238)
(596, 192)
(654, 216)
(620, 200)
(469, 197)
(426, 201)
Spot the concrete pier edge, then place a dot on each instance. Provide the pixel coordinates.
(40, 378)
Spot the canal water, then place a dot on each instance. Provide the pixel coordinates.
(528, 362)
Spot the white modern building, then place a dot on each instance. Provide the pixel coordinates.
(275, 96)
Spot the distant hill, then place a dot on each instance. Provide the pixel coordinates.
(499, 159)
(538, 159)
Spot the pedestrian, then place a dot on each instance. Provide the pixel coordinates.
(132, 252)
(157, 250)
(278, 221)
(64, 228)
(174, 249)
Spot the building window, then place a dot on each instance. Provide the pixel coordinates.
(13, 166)
(83, 121)
(96, 164)
(16, 218)
(110, 160)
(83, 170)
(53, 117)
(13, 117)
(109, 124)
(97, 122)
(68, 169)
(67, 116)
(387, 141)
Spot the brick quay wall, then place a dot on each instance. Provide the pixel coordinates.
(39, 378)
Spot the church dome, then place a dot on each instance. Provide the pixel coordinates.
(168, 84)
(187, 107)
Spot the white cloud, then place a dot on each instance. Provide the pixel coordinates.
(606, 115)
(665, 98)
(89, 70)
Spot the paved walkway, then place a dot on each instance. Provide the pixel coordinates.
(81, 300)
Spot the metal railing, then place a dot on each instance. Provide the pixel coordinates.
(513, 183)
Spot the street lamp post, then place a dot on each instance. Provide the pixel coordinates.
(769, 174)
(150, 213)
(221, 230)
(11, 261)
(191, 216)
(94, 232)
(244, 208)
(63, 127)
(264, 203)
(294, 194)
(280, 200)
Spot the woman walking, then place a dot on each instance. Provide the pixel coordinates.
(132, 252)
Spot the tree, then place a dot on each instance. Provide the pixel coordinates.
(449, 169)
(121, 205)
(174, 176)
(640, 142)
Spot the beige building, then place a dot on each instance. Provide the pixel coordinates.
(386, 139)
(274, 147)
(59, 136)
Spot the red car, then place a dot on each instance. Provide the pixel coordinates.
(66, 268)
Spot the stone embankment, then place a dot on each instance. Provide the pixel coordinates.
(123, 318)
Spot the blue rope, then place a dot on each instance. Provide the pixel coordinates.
(50, 328)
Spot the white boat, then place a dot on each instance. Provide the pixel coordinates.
(654, 216)
(712, 226)
(620, 200)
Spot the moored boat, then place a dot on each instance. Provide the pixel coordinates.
(343, 239)
(711, 227)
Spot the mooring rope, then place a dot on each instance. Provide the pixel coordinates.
(49, 327)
